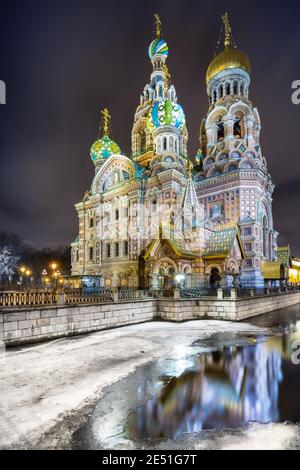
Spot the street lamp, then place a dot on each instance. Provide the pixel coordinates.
(22, 271)
(28, 273)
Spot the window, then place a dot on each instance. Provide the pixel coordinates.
(117, 249)
(91, 253)
(248, 246)
(165, 143)
(248, 262)
(77, 256)
(125, 248)
(108, 250)
(91, 223)
(247, 231)
(117, 214)
(220, 135)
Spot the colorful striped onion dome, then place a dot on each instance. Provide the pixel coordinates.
(158, 46)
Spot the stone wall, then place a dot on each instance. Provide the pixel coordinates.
(20, 326)
(33, 324)
(225, 309)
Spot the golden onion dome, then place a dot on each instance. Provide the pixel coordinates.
(228, 59)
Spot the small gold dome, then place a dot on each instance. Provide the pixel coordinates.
(228, 59)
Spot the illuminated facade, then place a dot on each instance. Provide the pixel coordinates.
(156, 219)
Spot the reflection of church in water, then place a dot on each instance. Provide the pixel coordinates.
(222, 390)
(154, 218)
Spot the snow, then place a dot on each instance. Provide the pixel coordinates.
(43, 385)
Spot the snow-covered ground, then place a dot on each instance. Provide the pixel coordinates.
(49, 390)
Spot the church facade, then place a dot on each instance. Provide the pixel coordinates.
(159, 218)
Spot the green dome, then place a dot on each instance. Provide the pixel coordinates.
(104, 148)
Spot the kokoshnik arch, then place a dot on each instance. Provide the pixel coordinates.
(155, 218)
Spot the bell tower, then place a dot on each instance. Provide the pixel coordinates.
(232, 179)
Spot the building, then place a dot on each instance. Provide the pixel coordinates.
(159, 218)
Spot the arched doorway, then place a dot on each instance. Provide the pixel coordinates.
(165, 272)
(215, 278)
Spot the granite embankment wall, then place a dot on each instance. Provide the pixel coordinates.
(34, 324)
(20, 326)
(225, 309)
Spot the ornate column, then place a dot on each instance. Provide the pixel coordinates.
(228, 128)
(211, 134)
(249, 122)
(154, 281)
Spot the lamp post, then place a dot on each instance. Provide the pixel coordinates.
(55, 274)
(28, 274)
(22, 271)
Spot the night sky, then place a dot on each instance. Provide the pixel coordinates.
(63, 61)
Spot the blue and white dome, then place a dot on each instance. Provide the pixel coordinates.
(166, 113)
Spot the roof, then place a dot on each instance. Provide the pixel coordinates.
(284, 255)
(176, 245)
(221, 242)
(190, 197)
(247, 220)
(272, 270)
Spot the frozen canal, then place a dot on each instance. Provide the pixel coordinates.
(195, 385)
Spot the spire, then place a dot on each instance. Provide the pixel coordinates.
(190, 197)
(227, 30)
(158, 29)
(228, 39)
(158, 47)
(106, 118)
(167, 77)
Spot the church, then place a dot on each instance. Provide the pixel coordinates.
(160, 218)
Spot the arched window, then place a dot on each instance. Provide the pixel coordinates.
(238, 127)
(117, 249)
(242, 89)
(235, 87)
(215, 96)
(220, 133)
(160, 91)
(165, 144)
(227, 89)
(171, 143)
(176, 146)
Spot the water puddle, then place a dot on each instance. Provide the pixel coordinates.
(224, 389)
(224, 382)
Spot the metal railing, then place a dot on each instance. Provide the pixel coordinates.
(196, 293)
(19, 299)
(81, 297)
(68, 297)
